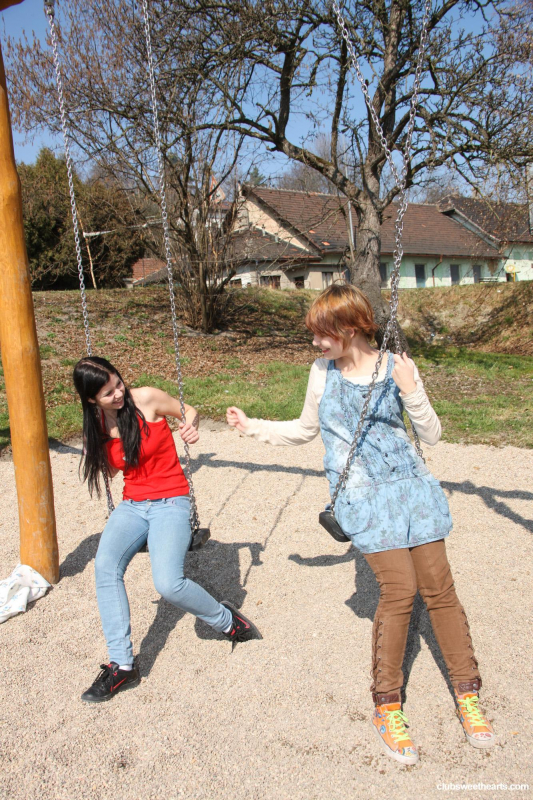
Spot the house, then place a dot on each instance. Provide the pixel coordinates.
(147, 270)
(287, 239)
(507, 226)
(439, 250)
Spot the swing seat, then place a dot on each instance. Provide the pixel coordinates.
(328, 521)
(199, 538)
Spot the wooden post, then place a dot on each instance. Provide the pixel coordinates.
(22, 366)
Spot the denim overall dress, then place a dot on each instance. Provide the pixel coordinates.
(391, 500)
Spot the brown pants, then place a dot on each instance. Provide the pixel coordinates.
(399, 574)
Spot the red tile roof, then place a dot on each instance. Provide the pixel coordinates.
(321, 219)
(505, 222)
(254, 244)
(429, 232)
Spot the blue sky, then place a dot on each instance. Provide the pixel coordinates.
(28, 16)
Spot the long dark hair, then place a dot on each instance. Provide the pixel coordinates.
(90, 375)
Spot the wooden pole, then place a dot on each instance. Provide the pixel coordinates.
(22, 367)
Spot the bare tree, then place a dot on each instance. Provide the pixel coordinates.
(107, 94)
(284, 62)
(303, 177)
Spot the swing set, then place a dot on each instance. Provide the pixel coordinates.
(18, 335)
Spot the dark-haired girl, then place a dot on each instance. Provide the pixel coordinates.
(126, 429)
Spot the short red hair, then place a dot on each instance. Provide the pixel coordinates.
(339, 308)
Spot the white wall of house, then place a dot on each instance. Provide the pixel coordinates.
(419, 271)
(314, 277)
(518, 262)
(414, 273)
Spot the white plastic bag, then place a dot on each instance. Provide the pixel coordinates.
(23, 586)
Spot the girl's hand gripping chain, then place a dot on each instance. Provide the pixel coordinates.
(403, 373)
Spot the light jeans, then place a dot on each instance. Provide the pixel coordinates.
(165, 525)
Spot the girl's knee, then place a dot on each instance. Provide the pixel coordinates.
(443, 596)
(401, 593)
(170, 587)
(108, 567)
(103, 565)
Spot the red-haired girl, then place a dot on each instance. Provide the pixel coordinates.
(392, 508)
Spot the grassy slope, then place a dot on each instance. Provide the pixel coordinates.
(261, 363)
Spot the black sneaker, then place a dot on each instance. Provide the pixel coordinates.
(243, 629)
(110, 682)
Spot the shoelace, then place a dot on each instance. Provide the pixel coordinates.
(397, 722)
(106, 675)
(238, 632)
(469, 707)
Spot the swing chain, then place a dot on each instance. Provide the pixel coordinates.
(195, 522)
(49, 7)
(400, 179)
(391, 328)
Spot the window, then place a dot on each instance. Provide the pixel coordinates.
(236, 282)
(420, 274)
(272, 281)
(383, 270)
(454, 274)
(476, 270)
(299, 282)
(327, 279)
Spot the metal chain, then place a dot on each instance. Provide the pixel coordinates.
(50, 13)
(391, 329)
(195, 522)
(400, 179)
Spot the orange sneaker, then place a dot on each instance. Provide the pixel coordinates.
(477, 728)
(390, 723)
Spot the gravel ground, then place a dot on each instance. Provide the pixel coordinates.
(286, 717)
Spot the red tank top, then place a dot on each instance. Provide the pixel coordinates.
(159, 473)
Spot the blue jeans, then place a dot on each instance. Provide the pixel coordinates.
(165, 525)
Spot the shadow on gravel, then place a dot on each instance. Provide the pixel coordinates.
(209, 460)
(490, 498)
(76, 561)
(364, 602)
(61, 447)
(217, 569)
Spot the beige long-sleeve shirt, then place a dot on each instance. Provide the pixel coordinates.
(304, 429)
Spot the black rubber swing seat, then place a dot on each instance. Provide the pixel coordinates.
(199, 538)
(328, 521)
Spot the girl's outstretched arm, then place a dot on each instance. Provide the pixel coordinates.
(294, 431)
(415, 400)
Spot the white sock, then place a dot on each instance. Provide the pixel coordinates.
(227, 630)
(126, 667)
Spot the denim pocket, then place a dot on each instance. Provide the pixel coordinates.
(181, 499)
(439, 496)
(354, 511)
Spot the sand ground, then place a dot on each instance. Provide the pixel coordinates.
(286, 717)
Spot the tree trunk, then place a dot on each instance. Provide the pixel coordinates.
(364, 272)
(202, 286)
(366, 276)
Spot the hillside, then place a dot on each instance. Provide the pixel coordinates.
(494, 318)
(467, 341)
